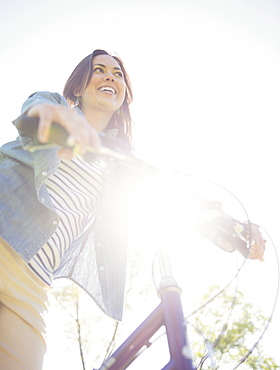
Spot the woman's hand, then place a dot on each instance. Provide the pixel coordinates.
(83, 134)
(230, 234)
(257, 245)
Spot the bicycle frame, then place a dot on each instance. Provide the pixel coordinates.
(169, 313)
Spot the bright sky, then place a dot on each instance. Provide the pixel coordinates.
(206, 81)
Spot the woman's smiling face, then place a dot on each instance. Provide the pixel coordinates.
(106, 89)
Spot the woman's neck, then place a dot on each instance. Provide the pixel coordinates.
(97, 119)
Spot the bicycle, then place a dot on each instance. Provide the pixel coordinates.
(169, 312)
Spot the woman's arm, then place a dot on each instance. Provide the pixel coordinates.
(51, 107)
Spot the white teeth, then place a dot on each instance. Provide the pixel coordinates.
(107, 88)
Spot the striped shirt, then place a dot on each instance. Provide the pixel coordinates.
(76, 190)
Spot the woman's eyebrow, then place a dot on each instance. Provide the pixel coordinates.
(102, 65)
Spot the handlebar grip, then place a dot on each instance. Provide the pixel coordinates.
(28, 126)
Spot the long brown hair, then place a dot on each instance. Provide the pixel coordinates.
(79, 80)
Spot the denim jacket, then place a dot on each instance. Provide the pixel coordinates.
(95, 261)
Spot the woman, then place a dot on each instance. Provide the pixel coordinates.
(62, 216)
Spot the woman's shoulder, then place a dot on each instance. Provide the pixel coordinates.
(43, 97)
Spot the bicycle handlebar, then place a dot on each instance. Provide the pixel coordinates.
(114, 148)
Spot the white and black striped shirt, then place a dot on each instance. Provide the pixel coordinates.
(76, 190)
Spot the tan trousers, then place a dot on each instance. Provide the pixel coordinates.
(23, 305)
